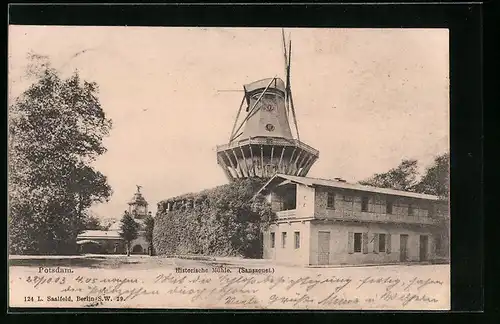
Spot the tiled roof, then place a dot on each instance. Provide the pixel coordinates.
(93, 234)
(345, 185)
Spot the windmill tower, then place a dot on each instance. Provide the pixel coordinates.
(262, 144)
(138, 206)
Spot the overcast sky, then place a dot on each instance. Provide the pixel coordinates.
(365, 98)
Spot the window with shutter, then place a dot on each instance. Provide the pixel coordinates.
(411, 210)
(389, 206)
(438, 243)
(365, 243)
(381, 243)
(358, 242)
(388, 243)
(364, 204)
(350, 242)
(283, 239)
(430, 211)
(375, 243)
(330, 201)
(297, 239)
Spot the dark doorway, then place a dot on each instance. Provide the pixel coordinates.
(137, 249)
(92, 248)
(403, 247)
(424, 243)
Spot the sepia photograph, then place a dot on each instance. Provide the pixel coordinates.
(228, 168)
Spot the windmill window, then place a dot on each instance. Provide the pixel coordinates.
(269, 107)
(269, 127)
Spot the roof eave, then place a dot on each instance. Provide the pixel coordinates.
(400, 193)
(375, 190)
(267, 184)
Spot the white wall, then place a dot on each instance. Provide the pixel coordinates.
(305, 201)
(289, 254)
(339, 253)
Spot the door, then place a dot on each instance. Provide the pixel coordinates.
(137, 249)
(403, 246)
(323, 247)
(424, 243)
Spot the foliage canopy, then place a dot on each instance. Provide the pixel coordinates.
(129, 229)
(223, 221)
(435, 180)
(402, 177)
(149, 223)
(56, 128)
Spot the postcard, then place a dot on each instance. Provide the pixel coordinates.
(228, 168)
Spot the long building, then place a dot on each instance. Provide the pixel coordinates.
(327, 222)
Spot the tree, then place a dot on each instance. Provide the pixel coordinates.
(56, 128)
(436, 179)
(149, 223)
(222, 221)
(129, 230)
(93, 223)
(403, 177)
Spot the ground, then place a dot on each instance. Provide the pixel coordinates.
(156, 282)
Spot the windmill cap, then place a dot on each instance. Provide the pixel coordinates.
(262, 84)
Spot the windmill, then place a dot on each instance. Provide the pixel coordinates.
(262, 144)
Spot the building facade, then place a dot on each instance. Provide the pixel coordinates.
(101, 242)
(331, 222)
(110, 241)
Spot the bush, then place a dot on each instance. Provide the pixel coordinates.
(223, 221)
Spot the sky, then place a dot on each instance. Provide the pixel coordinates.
(365, 98)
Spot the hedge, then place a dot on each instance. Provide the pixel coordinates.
(223, 221)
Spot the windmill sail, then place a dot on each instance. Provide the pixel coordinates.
(288, 87)
(286, 71)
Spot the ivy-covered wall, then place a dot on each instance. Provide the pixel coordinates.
(223, 221)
